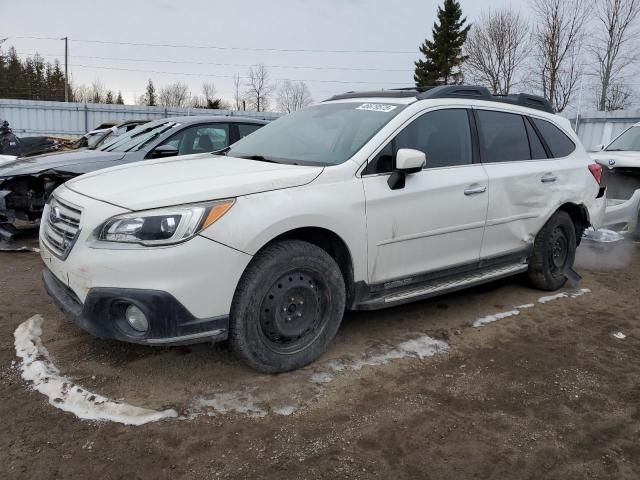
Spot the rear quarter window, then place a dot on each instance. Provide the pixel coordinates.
(557, 141)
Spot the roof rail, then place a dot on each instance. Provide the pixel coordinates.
(379, 93)
(454, 91)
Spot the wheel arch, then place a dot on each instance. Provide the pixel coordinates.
(579, 215)
(331, 243)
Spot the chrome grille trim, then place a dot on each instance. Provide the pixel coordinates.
(61, 229)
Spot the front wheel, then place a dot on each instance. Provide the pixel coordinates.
(554, 251)
(287, 307)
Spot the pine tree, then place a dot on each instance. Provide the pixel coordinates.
(15, 77)
(3, 75)
(120, 100)
(150, 96)
(109, 97)
(443, 54)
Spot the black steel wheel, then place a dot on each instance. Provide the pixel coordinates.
(554, 252)
(287, 307)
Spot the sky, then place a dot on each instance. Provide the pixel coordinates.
(333, 45)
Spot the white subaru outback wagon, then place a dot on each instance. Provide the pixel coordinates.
(365, 201)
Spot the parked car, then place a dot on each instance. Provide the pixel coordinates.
(98, 137)
(621, 162)
(365, 201)
(25, 184)
(12, 145)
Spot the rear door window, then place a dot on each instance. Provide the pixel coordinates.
(557, 141)
(503, 137)
(537, 148)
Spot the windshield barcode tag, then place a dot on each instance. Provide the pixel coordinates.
(377, 107)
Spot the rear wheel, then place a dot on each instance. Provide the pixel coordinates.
(288, 307)
(554, 252)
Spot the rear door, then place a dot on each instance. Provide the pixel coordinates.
(522, 181)
(437, 220)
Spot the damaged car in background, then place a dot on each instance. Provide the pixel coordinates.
(621, 175)
(104, 134)
(26, 183)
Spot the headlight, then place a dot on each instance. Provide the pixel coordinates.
(164, 226)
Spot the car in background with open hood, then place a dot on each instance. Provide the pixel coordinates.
(26, 183)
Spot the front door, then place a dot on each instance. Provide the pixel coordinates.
(437, 220)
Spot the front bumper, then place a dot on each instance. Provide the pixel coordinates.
(102, 315)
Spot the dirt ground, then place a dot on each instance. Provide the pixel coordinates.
(549, 393)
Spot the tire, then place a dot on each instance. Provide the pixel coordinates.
(287, 308)
(554, 251)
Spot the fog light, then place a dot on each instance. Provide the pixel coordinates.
(136, 318)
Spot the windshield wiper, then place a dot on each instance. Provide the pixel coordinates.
(222, 151)
(259, 158)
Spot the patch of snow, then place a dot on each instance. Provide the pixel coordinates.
(62, 393)
(525, 306)
(602, 235)
(420, 347)
(321, 378)
(494, 318)
(229, 402)
(619, 335)
(286, 410)
(569, 294)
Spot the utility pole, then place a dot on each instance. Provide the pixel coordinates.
(66, 68)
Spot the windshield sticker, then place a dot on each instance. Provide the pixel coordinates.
(377, 107)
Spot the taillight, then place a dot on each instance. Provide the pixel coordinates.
(596, 171)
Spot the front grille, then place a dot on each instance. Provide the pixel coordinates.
(62, 226)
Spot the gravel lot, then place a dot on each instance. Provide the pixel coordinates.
(550, 392)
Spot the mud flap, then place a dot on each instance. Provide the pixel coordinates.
(572, 276)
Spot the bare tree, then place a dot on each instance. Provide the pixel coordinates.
(174, 95)
(293, 96)
(619, 97)
(237, 95)
(558, 35)
(259, 88)
(97, 92)
(209, 92)
(614, 49)
(497, 48)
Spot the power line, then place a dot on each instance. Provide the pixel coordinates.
(217, 47)
(358, 69)
(231, 76)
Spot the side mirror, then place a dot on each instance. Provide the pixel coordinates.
(407, 161)
(163, 151)
(599, 147)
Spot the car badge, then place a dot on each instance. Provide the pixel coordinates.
(54, 215)
(612, 162)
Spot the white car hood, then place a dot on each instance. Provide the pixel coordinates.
(617, 159)
(189, 179)
(7, 158)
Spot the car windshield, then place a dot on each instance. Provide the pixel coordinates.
(137, 138)
(325, 134)
(629, 141)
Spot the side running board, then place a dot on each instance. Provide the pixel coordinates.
(441, 286)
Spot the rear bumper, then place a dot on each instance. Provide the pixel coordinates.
(623, 212)
(102, 315)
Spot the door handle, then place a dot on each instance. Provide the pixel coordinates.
(475, 190)
(549, 178)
